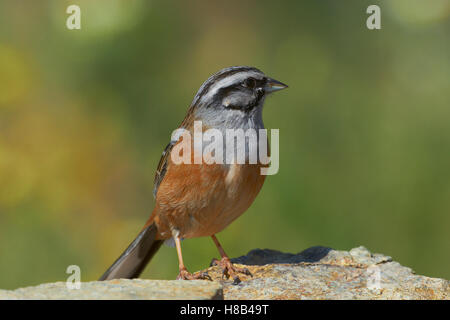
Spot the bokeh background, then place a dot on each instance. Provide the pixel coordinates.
(85, 115)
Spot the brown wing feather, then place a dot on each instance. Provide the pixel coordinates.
(163, 162)
(162, 167)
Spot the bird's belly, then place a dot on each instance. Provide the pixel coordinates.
(207, 200)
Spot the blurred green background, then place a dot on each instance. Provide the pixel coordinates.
(85, 115)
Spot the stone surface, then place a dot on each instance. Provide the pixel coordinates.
(136, 289)
(315, 273)
(323, 273)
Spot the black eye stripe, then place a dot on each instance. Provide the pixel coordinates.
(224, 91)
(256, 83)
(238, 86)
(250, 83)
(220, 76)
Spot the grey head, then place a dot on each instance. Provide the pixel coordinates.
(234, 97)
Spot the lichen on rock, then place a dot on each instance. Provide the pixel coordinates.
(315, 273)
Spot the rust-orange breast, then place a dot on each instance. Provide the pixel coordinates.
(201, 200)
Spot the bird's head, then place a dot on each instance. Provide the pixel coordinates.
(235, 88)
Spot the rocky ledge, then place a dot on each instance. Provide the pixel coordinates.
(315, 273)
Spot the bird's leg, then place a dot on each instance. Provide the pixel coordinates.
(228, 269)
(184, 273)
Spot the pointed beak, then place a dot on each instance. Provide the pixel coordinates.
(273, 85)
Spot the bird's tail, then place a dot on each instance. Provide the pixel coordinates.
(133, 261)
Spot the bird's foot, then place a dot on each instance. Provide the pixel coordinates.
(230, 270)
(186, 275)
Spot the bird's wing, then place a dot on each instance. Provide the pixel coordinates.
(162, 166)
(163, 162)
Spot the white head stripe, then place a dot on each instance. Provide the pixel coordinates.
(230, 80)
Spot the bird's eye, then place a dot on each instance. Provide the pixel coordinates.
(250, 83)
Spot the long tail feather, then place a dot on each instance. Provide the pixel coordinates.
(133, 261)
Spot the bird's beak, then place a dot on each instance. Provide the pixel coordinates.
(273, 85)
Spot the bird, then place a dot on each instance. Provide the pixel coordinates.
(201, 199)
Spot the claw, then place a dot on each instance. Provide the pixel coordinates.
(229, 270)
(186, 275)
(247, 272)
(236, 280)
(206, 276)
(214, 262)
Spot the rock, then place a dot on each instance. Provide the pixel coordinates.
(136, 289)
(323, 273)
(315, 273)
